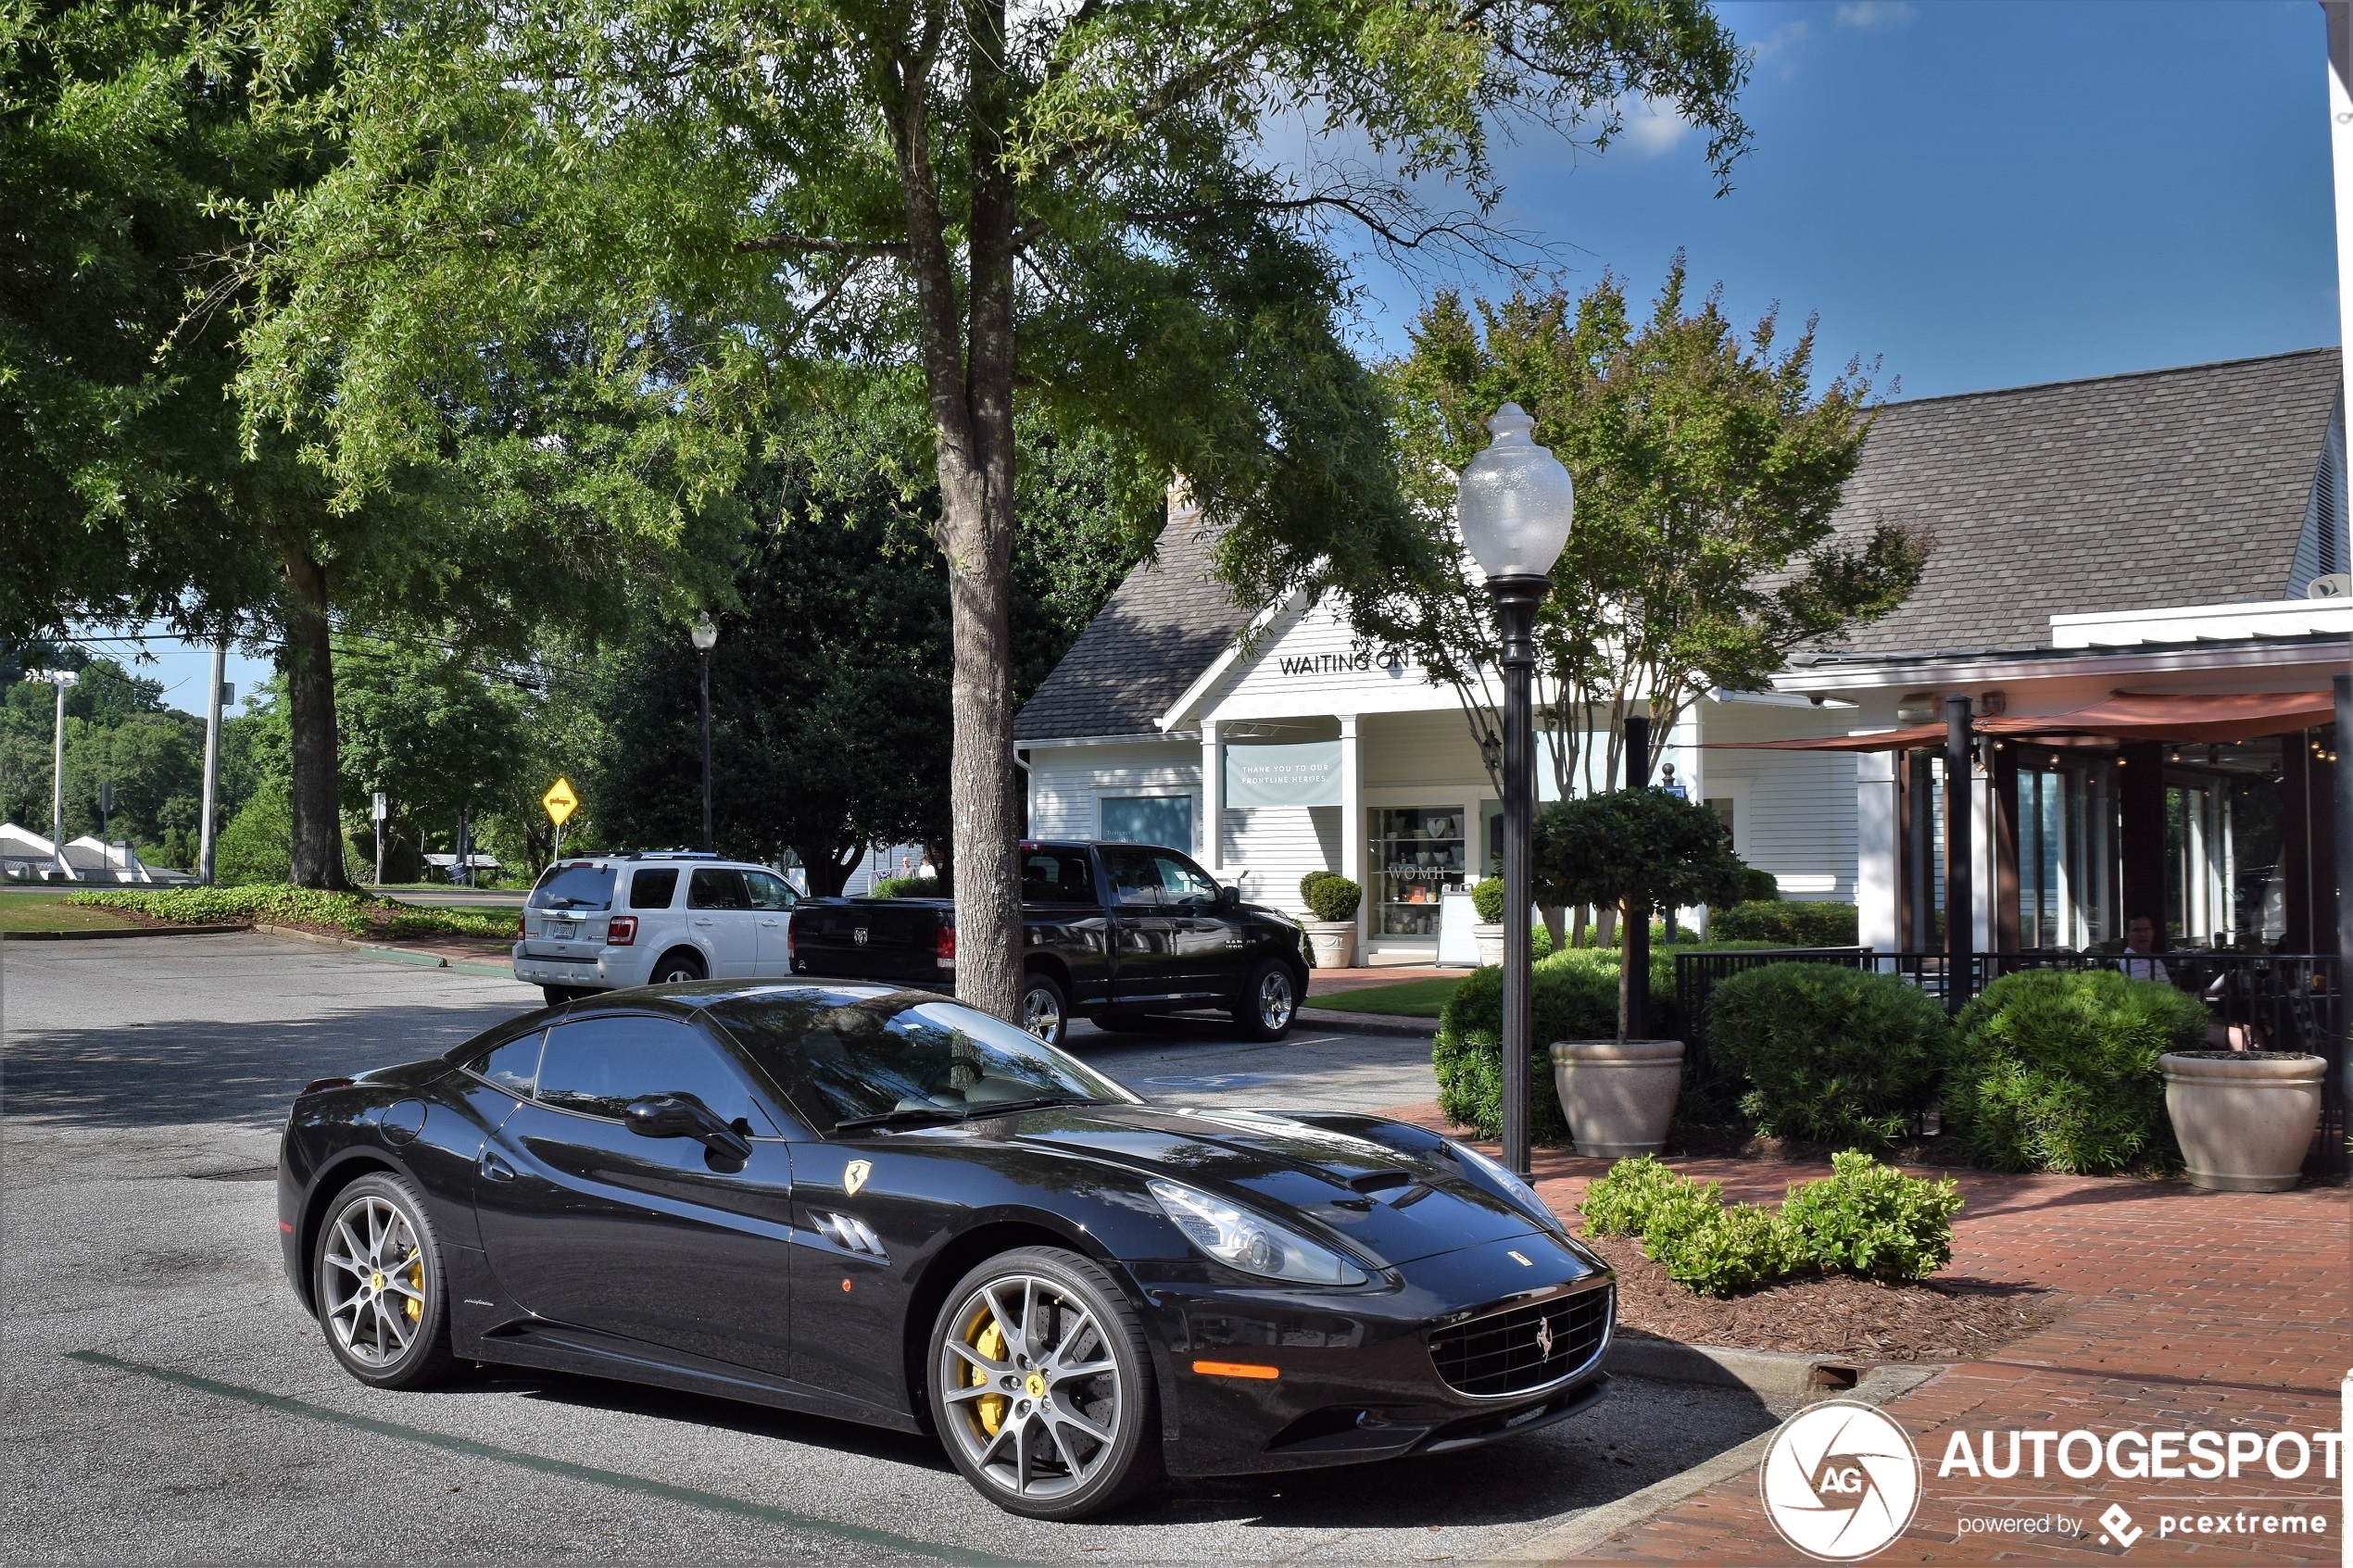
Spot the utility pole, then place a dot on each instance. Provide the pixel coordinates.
(64, 680)
(215, 695)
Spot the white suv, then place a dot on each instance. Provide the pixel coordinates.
(603, 923)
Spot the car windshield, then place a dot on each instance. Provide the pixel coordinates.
(574, 886)
(905, 1054)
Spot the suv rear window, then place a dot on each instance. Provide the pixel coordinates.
(574, 887)
(653, 889)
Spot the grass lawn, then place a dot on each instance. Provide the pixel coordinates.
(1411, 999)
(47, 912)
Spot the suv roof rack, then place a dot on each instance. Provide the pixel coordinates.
(669, 855)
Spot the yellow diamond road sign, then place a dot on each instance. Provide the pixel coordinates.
(560, 801)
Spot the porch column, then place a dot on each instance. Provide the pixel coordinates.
(1213, 799)
(2004, 847)
(1352, 826)
(1879, 846)
(2140, 805)
(1920, 852)
(2343, 815)
(1960, 806)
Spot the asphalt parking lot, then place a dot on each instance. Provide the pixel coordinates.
(163, 1397)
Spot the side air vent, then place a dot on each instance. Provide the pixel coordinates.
(851, 1235)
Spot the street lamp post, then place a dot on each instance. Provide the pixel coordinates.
(1515, 506)
(706, 637)
(64, 680)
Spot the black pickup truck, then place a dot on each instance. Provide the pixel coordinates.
(1110, 933)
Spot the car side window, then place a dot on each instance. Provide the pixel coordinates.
(1183, 883)
(717, 887)
(514, 1066)
(1049, 876)
(770, 891)
(653, 889)
(597, 1066)
(1134, 880)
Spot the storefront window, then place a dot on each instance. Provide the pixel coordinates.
(1163, 820)
(1419, 852)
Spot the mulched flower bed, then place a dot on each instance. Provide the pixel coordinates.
(1832, 1314)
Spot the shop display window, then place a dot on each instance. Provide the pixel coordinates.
(1419, 855)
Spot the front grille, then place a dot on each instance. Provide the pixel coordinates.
(1506, 1352)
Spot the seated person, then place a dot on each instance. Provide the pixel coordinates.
(2140, 938)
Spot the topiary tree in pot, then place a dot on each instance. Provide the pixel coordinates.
(1631, 849)
(1332, 899)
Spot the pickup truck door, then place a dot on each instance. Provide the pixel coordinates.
(1205, 942)
(1143, 933)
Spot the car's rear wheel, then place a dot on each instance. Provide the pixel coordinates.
(1270, 1001)
(677, 968)
(379, 1284)
(559, 995)
(1042, 1386)
(1044, 1012)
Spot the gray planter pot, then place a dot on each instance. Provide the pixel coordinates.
(1491, 944)
(1619, 1099)
(2244, 1119)
(1333, 941)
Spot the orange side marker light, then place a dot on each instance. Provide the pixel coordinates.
(284, 1226)
(1237, 1369)
(845, 1284)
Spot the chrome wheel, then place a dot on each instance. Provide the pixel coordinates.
(1276, 1001)
(1041, 1011)
(374, 1280)
(1031, 1387)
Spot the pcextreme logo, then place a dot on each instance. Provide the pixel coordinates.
(1841, 1481)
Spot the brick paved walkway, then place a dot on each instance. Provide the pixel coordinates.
(2193, 1309)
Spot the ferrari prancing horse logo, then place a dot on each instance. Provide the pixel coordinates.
(854, 1175)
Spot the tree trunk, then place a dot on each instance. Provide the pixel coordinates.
(308, 665)
(828, 867)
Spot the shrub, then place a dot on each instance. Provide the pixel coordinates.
(1753, 887)
(1487, 897)
(909, 887)
(1574, 998)
(2055, 1070)
(1868, 1218)
(1332, 897)
(1787, 924)
(1718, 1248)
(257, 845)
(1619, 1201)
(1831, 1055)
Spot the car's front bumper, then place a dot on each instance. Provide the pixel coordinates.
(1355, 1377)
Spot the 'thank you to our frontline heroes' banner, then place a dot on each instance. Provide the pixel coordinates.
(1303, 773)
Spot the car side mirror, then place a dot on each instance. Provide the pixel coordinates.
(684, 1116)
(1229, 898)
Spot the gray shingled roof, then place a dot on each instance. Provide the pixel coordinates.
(2165, 487)
(2162, 487)
(1167, 623)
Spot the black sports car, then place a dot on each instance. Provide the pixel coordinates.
(882, 1206)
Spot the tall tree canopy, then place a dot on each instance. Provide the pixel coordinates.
(1707, 464)
(702, 201)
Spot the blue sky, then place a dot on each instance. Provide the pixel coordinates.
(1982, 193)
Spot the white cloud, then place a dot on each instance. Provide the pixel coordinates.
(1874, 16)
(1653, 128)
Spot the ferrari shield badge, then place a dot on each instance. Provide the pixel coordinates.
(854, 1175)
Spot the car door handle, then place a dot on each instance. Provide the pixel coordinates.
(495, 1168)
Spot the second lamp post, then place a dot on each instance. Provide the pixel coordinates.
(1515, 506)
(706, 636)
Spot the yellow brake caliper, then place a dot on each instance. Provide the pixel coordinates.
(989, 1339)
(415, 1305)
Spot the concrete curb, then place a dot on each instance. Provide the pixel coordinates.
(126, 931)
(1764, 1373)
(1371, 1022)
(388, 955)
(1577, 1539)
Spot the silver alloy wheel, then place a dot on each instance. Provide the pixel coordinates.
(375, 1281)
(1041, 1013)
(1275, 1002)
(1032, 1388)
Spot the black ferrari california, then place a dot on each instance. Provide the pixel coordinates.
(889, 1207)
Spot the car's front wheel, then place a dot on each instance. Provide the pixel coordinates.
(378, 1281)
(1043, 1010)
(1041, 1386)
(1270, 1001)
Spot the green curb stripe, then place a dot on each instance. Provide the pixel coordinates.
(718, 1503)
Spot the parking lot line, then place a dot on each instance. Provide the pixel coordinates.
(717, 1501)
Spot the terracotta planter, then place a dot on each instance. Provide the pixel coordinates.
(2244, 1119)
(1618, 1098)
(1333, 941)
(1491, 944)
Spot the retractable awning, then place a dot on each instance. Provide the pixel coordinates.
(2209, 716)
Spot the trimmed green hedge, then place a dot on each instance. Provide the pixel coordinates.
(2055, 1070)
(355, 914)
(909, 887)
(1786, 924)
(1574, 998)
(1330, 896)
(1831, 1055)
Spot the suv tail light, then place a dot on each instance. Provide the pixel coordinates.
(522, 927)
(621, 931)
(944, 948)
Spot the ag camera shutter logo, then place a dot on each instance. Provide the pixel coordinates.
(1841, 1481)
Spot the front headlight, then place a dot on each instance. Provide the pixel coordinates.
(1242, 1240)
(1519, 1192)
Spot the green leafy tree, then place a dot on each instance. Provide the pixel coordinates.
(1082, 209)
(1632, 850)
(422, 724)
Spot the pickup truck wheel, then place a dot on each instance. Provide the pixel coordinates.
(1043, 1011)
(1270, 1001)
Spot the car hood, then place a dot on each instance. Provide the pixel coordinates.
(1396, 1205)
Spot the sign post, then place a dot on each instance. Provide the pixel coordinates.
(561, 803)
(379, 809)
